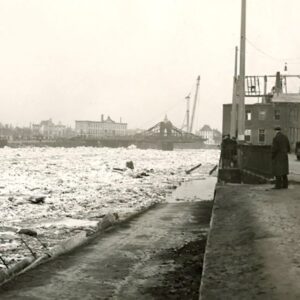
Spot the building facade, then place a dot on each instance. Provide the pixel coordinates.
(211, 136)
(96, 129)
(261, 118)
(48, 130)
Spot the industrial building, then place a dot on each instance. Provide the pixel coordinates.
(96, 129)
(261, 118)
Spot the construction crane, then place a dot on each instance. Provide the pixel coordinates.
(194, 105)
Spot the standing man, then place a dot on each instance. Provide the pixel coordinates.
(280, 160)
(234, 146)
(225, 151)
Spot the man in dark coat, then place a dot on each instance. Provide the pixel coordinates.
(233, 148)
(225, 151)
(280, 161)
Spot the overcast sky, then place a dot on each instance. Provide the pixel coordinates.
(135, 59)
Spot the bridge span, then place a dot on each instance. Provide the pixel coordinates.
(164, 135)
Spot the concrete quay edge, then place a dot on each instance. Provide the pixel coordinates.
(204, 266)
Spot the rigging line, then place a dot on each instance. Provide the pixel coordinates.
(270, 56)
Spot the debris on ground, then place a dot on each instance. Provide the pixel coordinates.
(193, 168)
(37, 199)
(130, 165)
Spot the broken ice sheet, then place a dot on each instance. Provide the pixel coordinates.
(79, 183)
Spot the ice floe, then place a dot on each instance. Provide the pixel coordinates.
(59, 191)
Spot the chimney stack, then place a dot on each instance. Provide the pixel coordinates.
(102, 118)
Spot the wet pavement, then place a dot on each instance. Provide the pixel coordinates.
(253, 246)
(157, 255)
(198, 189)
(294, 166)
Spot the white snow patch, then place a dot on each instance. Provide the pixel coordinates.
(68, 222)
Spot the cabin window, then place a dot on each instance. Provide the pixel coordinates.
(261, 135)
(248, 115)
(262, 115)
(247, 135)
(277, 114)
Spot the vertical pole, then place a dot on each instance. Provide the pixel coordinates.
(187, 113)
(233, 119)
(284, 77)
(236, 62)
(285, 73)
(265, 89)
(285, 84)
(195, 104)
(241, 113)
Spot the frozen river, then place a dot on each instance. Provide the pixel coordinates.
(80, 185)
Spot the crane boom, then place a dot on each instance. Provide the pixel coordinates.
(195, 104)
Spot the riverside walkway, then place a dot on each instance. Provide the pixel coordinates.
(132, 260)
(253, 249)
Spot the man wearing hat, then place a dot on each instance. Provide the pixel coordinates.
(280, 161)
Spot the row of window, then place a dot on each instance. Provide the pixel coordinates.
(100, 126)
(293, 135)
(206, 135)
(262, 115)
(293, 114)
(261, 135)
(101, 132)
